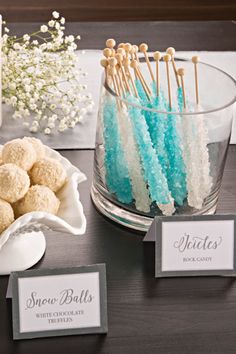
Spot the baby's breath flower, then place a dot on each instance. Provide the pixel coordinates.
(47, 131)
(44, 28)
(51, 23)
(26, 37)
(57, 25)
(16, 46)
(33, 76)
(55, 14)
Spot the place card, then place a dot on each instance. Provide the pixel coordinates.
(194, 245)
(58, 302)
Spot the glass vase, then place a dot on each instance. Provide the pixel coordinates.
(166, 160)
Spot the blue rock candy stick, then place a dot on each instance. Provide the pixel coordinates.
(117, 175)
(156, 122)
(141, 93)
(153, 175)
(177, 172)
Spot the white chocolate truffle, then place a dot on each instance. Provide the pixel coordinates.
(14, 182)
(48, 172)
(38, 146)
(6, 215)
(38, 198)
(19, 152)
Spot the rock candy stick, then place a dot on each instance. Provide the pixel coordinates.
(191, 156)
(153, 174)
(139, 188)
(117, 175)
(202, 141)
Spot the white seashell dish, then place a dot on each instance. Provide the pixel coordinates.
(22, 244)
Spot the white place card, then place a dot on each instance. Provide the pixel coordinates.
(57, 302)
(194, 245)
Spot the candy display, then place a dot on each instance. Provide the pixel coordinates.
(153, 157)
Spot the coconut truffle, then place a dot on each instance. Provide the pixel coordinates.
(19, 152)
(48, 172)
(38, 147)
(14, 183)
(38, 198)
(6, 215)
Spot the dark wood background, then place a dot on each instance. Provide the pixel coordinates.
(122, 10)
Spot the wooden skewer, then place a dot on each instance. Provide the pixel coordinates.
(181, 74)
(134, 65)
(119, 76)
(111, 72)
(157, 58)
(195, 61)
(127, 48)
(104, 64)
(119, 59)
(136, 49)
(171, 52)
(166, 59)
(144, 81)
(127, 65)
(143, 48)
(119, 56)
(132, 54)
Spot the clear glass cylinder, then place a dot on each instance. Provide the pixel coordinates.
(152, 159)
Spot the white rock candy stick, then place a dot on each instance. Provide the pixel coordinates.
(192, 162)
(196, 158)
(202, 141)
(139, 188)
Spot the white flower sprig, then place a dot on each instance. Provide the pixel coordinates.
(41, 78)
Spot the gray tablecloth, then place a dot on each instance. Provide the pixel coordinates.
(83, 136)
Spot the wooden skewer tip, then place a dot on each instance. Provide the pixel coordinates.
(157, 56)
(170, 51)
(104, 63)
(143, 47)
(167, 58)
(121, 45)
(121, 51)
(107, 52)
(127, 47)
(110, 43)
(119, 57)
(134, 64)
(195, 59)
(136, 48)
(113, 61)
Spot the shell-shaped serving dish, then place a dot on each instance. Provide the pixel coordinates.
(70, 217)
